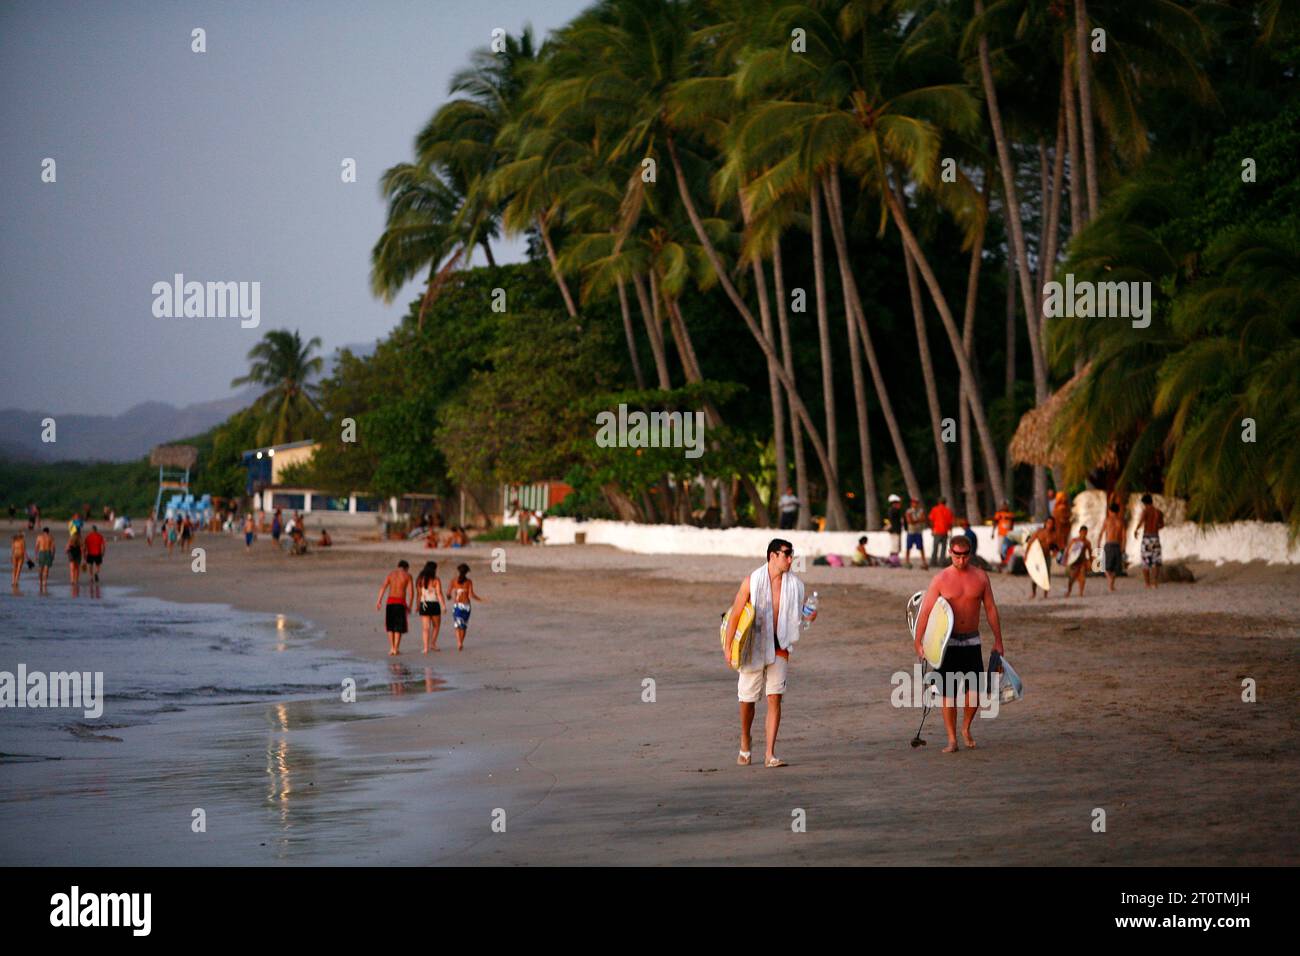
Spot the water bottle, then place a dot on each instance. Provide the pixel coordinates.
(809, 609)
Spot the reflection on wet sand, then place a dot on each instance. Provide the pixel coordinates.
(402, 678)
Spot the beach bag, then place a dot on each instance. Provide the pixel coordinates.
(744, 632)
(1011, 687)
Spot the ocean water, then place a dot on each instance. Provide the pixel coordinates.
(206, 709)
(157, 659)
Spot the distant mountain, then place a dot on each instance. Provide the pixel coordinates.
(126, 436)
(121, 437)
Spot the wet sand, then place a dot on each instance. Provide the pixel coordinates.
(1133, 706)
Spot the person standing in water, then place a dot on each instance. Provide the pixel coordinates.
(966, 589)
(95, 548)
(428, 591)
(74, 559)
(461, 591)
(400, 592)
(18, 552)
(44, 557)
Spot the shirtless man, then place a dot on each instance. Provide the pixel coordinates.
(965, 588)
(401, 594)
(44, 557)
(1112, 543)
(1153, 519)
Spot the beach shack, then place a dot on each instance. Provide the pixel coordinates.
(267, 491)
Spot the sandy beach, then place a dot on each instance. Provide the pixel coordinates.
(1133, 705)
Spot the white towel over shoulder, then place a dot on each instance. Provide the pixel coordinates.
(762, 648)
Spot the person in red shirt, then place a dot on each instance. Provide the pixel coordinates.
(94, 549)
(1006, 520)
(941, 519)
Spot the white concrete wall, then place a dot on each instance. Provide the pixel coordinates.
(1241, 541)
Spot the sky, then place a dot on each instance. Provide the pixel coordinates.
(222, 166)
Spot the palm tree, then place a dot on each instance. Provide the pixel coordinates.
(283, 364)
(632, 53)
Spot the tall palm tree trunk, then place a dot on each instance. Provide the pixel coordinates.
(970, 492)
(972, 388)
(834, 505)
(555, 266)
(630, 335)
(1012, 204)
(824, 344)
(1010, 390)
(654, 333)
(1084, 67)
(1072, 139)
(804, 520)
(773, 383)
(927, 377)
(853, 302)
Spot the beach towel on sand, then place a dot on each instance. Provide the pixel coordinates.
(762, 649)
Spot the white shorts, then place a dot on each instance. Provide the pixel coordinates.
(771, 679)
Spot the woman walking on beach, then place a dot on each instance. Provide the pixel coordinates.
(74, 560)
(462, 589)
(277, 527)
(170, 534)
(18, 552)
(428, 591)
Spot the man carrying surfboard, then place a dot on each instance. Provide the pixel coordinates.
(1046, 538)
(777, 596)
(1078, 562)
(965, 588)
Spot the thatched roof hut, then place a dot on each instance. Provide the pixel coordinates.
(1032, 444)
(174, 456)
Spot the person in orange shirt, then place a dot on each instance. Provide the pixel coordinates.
(1005, 521)
(941, 519)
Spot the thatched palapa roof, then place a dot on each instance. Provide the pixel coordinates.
(1032, 444)
(173, 456)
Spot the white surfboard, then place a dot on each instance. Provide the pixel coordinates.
(1036, 566)
(1076, 552)
(938, 628)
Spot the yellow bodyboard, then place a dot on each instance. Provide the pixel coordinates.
(938, 628)
(744, 631)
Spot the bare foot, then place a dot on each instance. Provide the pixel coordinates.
(968, 740)
(951, 748)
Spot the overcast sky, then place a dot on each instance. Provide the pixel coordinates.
(223, 166)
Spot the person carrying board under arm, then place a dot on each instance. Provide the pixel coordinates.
(777, 595)
(965, 588)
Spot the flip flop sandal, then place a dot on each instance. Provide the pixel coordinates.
(743, 758)
(776, 762)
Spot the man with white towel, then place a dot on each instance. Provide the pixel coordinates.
(777, 595)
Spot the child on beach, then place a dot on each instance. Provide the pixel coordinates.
(428, 592)
(1077, 573)
(462, 589)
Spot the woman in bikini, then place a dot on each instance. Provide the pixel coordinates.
(428, 592)
(461, 591)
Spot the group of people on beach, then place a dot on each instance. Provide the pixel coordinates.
(84, 553)
(426, 594)
(1076, 554)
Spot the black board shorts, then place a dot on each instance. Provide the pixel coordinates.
(1111, 553)
(961, 661)
(94, 559)
(430, 609)
(395, 618)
